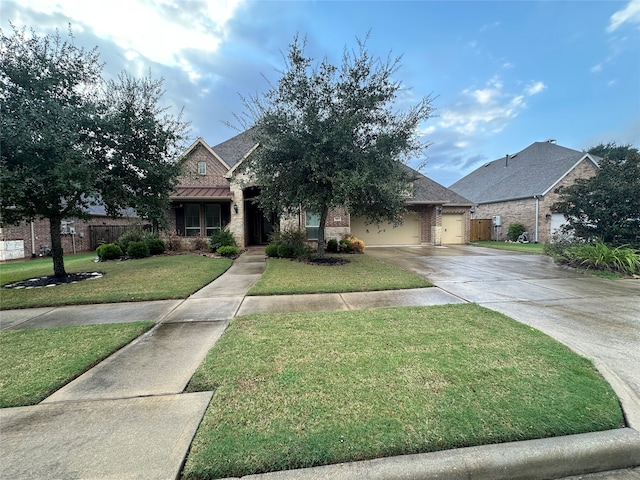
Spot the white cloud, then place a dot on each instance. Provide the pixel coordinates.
(486, 110)
(149, 28)
(536, 87)
(629, 14)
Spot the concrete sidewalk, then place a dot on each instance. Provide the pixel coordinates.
(127, 417)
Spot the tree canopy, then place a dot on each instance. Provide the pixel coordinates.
(332, 136)
(70, 139)
(607, 205)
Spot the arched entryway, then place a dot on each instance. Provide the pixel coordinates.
(258, 226)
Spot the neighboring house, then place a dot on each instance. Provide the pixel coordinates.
(212, 194)
(520, 188)
(31, 239)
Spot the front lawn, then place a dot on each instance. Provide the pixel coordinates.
(536, 248)
(37, 362)
(362, 273)
(154, 278)
(301, 390)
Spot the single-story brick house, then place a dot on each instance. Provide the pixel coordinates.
(30, 239)
(212, 194)
(520, 188)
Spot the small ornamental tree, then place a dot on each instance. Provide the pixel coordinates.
(69, 139)
(607, 205)
(333, 136)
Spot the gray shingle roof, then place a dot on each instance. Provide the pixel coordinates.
(234, 149)
(428, 191)
(533, 171)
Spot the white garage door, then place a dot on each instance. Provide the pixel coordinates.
(386, 234)
(452, 229)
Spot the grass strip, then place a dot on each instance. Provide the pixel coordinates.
(154, 278)
(302, 390)
(363, 273)
(37, 362)
(534, 248)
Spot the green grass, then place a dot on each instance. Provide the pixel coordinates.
(37, 362)
(362, 273)
(535, 248)
(154, 278)
(300, 390)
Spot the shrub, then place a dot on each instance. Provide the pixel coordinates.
(357, 245)
(173, 243)
(131, 236)
(292, 242)
(156, 245)
(227, 251)
(345, 245)
(109, 251)
(286, 250)
(332, 246)
(138, 249)
(222, 238)
(515, 230)
(603, 257)
(271, 250)
(199, 244)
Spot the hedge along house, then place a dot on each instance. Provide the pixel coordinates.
(520, 188)
(213, 193)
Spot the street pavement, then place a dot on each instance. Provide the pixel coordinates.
(128, 418)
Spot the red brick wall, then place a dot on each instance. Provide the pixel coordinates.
(42, 237)
(215, 169)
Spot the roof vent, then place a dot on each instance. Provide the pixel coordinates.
(551, 140)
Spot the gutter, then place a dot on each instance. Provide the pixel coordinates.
(537, 216)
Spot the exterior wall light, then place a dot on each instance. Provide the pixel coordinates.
(235, 207)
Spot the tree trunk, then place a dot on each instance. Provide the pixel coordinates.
(323, 222)
(56, 247)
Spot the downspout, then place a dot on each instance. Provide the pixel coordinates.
(33, 241)
(537, 213)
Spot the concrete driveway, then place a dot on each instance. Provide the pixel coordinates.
(595, 317)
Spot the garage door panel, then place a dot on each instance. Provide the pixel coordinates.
(385, 233)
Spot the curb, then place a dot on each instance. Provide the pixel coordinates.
(541, 459)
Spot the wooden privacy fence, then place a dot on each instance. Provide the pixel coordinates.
(480, 229)
(99, 234)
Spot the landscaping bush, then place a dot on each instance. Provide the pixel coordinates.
(109, 251)
(601, 256)
(173, 243)
(131, 236)
(156, 245)
(357, 245)
(515, 230)
(332, 246)
(345, 245)
(286, 250)
(271, 250)
(227, 251)
(292, 243)
(138, 249)
(199, 244)
(222, 238)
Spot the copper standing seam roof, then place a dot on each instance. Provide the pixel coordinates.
(202, 193)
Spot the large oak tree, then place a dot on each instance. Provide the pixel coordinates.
(335, 136)
(70, 139)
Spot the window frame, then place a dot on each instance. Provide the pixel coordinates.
(211, 229)
(192, 230)
(202, 168)
(312, 228)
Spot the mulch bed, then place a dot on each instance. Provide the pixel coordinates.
(328, 261)
(51, 281)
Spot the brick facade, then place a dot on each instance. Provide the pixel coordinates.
(78, 242)
(524, 210)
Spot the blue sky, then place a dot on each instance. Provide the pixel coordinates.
(504, 74)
